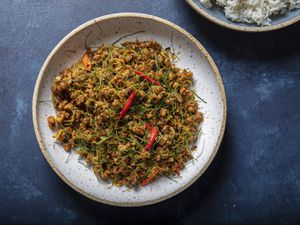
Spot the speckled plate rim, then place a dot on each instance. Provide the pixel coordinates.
(127, 15)
(238, 27)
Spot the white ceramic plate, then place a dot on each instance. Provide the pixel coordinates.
(216, 15)
(192, 55)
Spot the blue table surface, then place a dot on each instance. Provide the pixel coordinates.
(255, 177)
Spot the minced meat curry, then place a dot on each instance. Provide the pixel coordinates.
(128, 111)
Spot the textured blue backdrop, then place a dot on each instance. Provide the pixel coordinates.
(255, 178)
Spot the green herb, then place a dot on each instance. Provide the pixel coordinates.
(198, 96)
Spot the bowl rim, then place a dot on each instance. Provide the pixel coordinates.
(38, 85)
(220, 22)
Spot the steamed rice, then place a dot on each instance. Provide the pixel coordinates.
(253, 11)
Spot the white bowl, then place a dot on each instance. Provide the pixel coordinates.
(192, 55)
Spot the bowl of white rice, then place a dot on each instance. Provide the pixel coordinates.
(249, 15)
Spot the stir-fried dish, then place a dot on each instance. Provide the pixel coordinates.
(128, 111)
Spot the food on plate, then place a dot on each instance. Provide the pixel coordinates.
(253, 11)
(128, 111)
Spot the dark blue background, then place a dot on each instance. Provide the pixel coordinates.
(255, 178)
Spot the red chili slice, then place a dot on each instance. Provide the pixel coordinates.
(127, 105)
(147, 78)
(153, 134)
